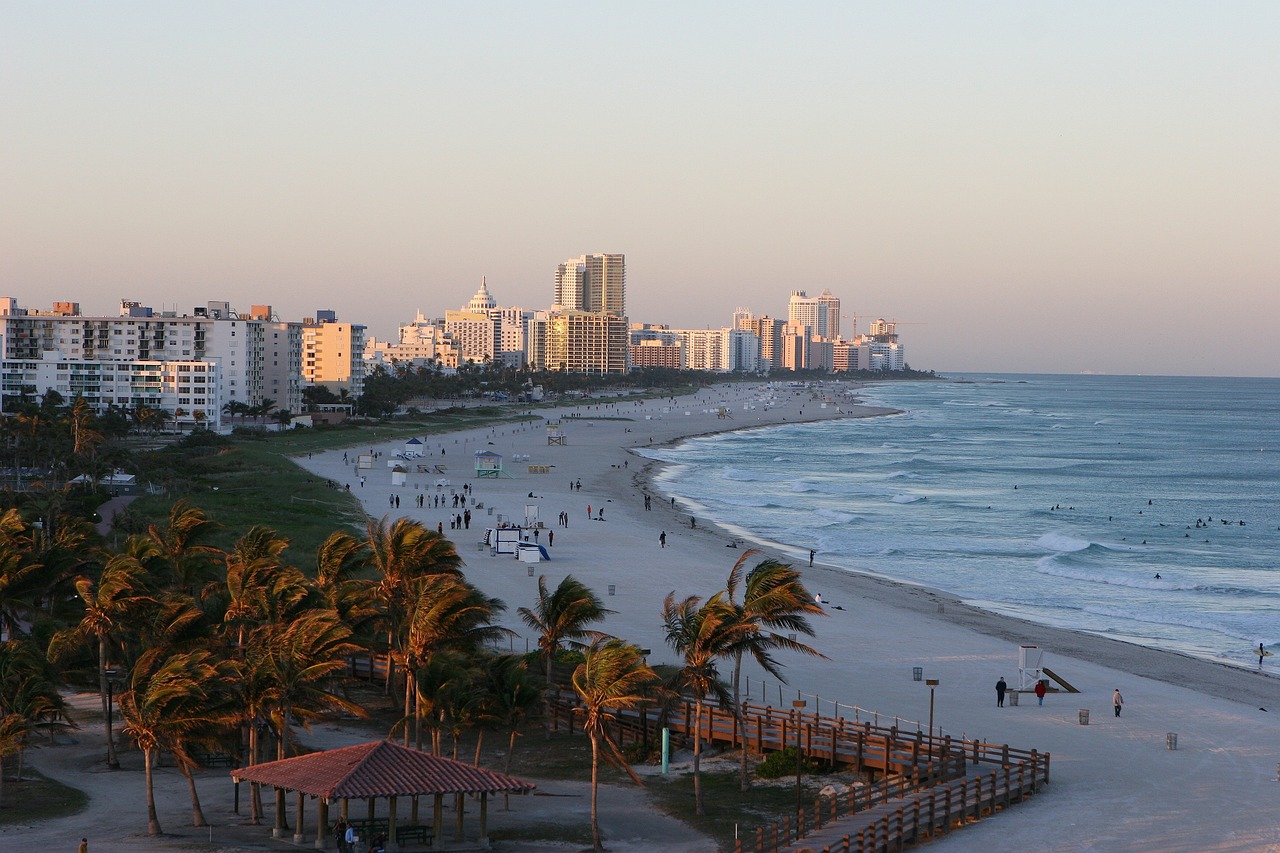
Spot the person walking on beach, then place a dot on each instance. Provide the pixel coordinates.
(551, 538)
(1041, 690)
(662, 539)
(1117, 701)
(811, 553)
(1001, 687)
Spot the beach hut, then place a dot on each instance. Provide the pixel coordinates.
(489, 465)
(380, 770)
(399, 475)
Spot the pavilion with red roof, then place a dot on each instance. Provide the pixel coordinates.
(374, 771)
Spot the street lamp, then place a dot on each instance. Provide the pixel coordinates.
(932, 682)
(799, 705)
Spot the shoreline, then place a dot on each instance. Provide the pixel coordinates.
(1105, 773)
(1211, 675)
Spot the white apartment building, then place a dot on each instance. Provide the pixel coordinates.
(253, 358)
(820, 314)
(594, 283)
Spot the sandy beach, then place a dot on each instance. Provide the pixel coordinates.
(1115, 785)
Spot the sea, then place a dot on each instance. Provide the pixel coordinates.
(1143, 508)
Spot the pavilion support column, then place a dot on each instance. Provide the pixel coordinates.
(484, 819)
(393, 837)
(413, 812)
(281, 826)
(437, 823)
(322, 823)
(345, 804)
(372, 808)
(300, 829)
(460, 803)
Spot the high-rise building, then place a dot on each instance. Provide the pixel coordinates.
(578, 342)
(596, 283)
(819, 314)
(333, 353)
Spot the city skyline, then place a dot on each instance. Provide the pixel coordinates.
(1090, 188)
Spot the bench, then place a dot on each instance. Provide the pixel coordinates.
(214, 759)
(420, 833)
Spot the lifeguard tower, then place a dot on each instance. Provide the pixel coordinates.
(555, 435)
(489, 465)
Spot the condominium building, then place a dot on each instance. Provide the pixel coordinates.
(820, 314)
(247, 359)
(333, 353)
(596, 283)
(578, 342)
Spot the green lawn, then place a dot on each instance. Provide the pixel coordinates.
(36, 797)
(253, 480)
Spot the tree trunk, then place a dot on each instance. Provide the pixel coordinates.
(112, 761)
(153, 822)
(697, 760)
(408, 705)
(511, 747)
(197, 814)
(255, 790)
(596, 842)
(286, 710)
(744, 783)
(479, 744)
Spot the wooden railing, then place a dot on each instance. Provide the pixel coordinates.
(923, 787)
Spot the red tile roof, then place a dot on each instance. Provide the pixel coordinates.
(378, 769)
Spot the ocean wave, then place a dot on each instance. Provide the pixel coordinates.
(907, 499)
(745, 501)
(837, 516)
(744, 475)
(1181, 620)
(1070, 544)
(905, 475)
(1051, 565)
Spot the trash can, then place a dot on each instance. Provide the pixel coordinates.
(1084, 716)
(1013, 698)
(1171, 740)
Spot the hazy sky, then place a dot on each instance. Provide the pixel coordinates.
(1040, 187)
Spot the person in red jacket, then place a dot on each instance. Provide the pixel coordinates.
(1041, 690)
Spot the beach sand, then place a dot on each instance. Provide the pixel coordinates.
(1115, 785)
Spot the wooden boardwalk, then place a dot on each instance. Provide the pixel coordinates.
(923, 786)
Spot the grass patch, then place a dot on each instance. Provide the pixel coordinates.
(553, 832)
(726, 805)
(252, 479)
(37, 797)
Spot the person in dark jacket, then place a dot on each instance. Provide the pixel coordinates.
(1041, 690)
(1001, 687)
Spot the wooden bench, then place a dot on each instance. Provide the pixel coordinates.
(214, 759)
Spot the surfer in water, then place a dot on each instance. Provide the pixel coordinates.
(1157, 576)
(1262, 653)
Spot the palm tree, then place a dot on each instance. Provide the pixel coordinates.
(773, 600)
(512, 692)
(701, 632)
(446, 615)
(169, 698)
(110, 604)
(562, 617)
(613, 676)
(20, 576)
(180, 544)
(29, 698)
(400, 551)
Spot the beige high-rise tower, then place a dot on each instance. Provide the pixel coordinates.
(595, 283)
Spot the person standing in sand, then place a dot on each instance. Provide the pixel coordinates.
(84, 846)
(662, 539)
(1041, 690)
(1117, 701)
(1001, 687)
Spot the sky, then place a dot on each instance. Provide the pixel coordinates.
(1025, 187)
